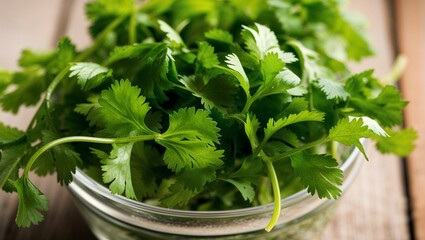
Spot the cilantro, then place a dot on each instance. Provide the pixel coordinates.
(117, 170)
(31, 202)
(123, 110)
(319, 173)
(189, 141)
(89, 75)
(177, 103)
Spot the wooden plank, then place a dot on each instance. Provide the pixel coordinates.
(411, 34)
(367, 211)
(35, 26)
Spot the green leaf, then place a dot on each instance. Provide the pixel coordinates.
(245, 188)
(100, 8)
(30, 58)
(143, 161)
(91, 111)
(29, 84)
(90, 75)
(5, 79)
(9, 161)
(65, 53)
(276, 78)
(234, 63)
(219, 35)
(65, 158)
(217, 92)
(387, 107)
(309, 60)
(251, 126)
(400, 142)
(203, 176)
(372, 125)
(274, 126)
(31, 203)
(189, 141)
(123, 110)
(206, 57)
(265, 41)
(9, 134)
(117, 170)
(179, 196)
(145, 64)
(349, 132)
(319, 173)
(172, 35)
(332, 89)
(192, 124)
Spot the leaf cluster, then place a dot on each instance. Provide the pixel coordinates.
(199, 105)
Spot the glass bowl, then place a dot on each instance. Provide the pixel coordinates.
(115, 217)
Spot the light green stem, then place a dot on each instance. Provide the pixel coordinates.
(298, 149)
(277, 198)
(132, 37)
(59, 141)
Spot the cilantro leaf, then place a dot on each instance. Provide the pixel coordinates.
(90, 75)
(28, 88)
(179, 196)
(91, 111)
(206, 57)
(9, 134)
(123, 110)
(401, 142)
(220, 36)
(31, 202)
(203, 175)
(319, 173)
(245, 188)
(274, 126)
(332, 89)
(117, 170)
(264, 41)
(251, 126)
(276, 78)
(172, 35)
(349, 132)
(192, 124)
(145, 64)
(143, 161)
(64, 157)
(217, 92)
(234, 63)
(5, 79)
(64, 54)
(386, 107)
(9, 161)
(189, 141)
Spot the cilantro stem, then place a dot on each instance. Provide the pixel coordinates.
(54, 83)
(71, 139)
(298, 149)
(276, 193)
(132, 38)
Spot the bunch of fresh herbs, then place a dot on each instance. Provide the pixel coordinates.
(199, 105)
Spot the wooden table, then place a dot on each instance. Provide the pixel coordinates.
(385, 202)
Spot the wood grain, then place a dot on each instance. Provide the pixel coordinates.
(411, 35)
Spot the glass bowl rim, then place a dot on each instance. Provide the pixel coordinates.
(81, 178)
